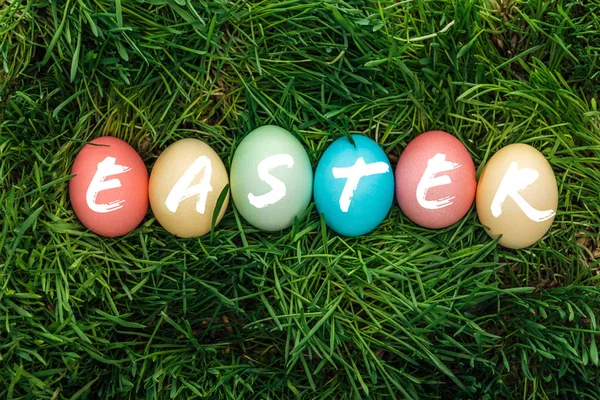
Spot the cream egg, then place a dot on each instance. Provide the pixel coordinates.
(185, 185)
(517, 196)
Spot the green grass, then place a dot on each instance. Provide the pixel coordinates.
(403, 312)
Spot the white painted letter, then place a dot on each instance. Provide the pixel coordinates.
(182, 189)
(278, 188)
(353, 175)
(105, 168)
(513, 182)
(435, 165)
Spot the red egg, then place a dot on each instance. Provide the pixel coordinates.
(110, 190)
(435, 180)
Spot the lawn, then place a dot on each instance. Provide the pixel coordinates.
(403, 312)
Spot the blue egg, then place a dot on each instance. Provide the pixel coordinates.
(354, 186)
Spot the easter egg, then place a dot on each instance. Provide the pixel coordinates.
(435, 180)
(517, 196)
(185, 185)
(354, 185)
(271, 178)
(109, 192)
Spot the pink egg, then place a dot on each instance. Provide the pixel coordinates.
(109, 192)
(435, 180)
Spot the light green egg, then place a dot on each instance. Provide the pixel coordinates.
(271, 178)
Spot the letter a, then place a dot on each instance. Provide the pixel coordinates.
(513, 182)
(353, 175)
(105, 168)
(435, 165)
(278, 189)
(182, 189)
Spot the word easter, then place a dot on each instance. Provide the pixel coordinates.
(353, 186)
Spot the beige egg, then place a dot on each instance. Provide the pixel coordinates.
(185, 185)
(517, 196)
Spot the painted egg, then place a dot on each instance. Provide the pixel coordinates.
(517, 196)
(354, 186)
(435, 180)
(109, 193)
(271, 178)
(185, 185)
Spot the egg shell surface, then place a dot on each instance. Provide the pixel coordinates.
(271, 178)
(435, 180)
(354, 185)
(185, 184)
(109, 192)
(517, 196)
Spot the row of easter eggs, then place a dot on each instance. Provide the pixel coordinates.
(272, 183)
